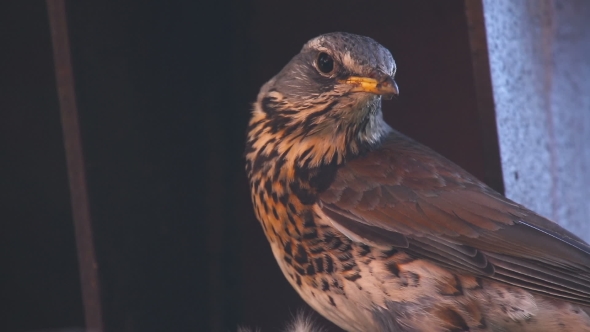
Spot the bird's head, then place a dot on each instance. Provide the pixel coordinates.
(337, 67)
(330, 94)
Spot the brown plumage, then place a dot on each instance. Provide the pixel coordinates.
(379, 233)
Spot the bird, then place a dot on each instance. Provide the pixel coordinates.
(377, 232)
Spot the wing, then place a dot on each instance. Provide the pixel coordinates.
(405, 195)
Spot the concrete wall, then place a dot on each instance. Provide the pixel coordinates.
(540, 67)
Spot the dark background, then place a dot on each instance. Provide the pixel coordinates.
(164, 90)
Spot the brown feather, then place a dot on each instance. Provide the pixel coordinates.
(449, 217)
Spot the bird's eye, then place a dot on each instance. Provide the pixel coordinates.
(325, 63)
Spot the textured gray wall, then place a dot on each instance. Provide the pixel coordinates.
(540, 66)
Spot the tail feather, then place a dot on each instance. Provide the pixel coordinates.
(301, 322)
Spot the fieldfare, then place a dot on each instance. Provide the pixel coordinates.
(378, 232)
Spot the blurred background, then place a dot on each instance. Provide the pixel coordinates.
(164, 90)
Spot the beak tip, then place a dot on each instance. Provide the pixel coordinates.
(391, 86)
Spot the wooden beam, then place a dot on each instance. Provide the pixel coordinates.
(75, 165)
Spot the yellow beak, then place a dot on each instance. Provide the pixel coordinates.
(386, 87)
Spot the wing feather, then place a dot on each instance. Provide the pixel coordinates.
(404, 195)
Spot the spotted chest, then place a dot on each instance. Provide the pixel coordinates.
(284, 193)
(322, 264)
(333, 274)
(314, 257)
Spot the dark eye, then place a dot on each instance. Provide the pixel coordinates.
(325, 63)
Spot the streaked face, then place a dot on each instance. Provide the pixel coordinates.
(338, 65)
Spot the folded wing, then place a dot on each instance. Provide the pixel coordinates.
(405, 195)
